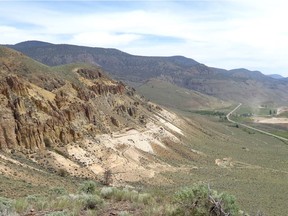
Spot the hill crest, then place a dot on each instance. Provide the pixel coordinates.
(255, 87)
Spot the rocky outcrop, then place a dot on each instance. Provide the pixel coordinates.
(102, 89)
(115, 122)
(89, 74)
(42, 108)
(26, 121)
(132, 111)
(7, 125)
(40, 111)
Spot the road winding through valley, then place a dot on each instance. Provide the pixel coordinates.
(252, 128)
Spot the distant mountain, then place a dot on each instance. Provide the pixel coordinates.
(119, 64)
(247, 74)
(239, 85)
(28, 44)
(276, 76)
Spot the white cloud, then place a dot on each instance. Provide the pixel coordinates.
(227, 34)
(104, 39)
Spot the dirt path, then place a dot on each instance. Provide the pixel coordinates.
(252, 128)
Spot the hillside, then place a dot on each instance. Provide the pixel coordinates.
(75, 118)
(239, 85)
(65, 124)
(173, 96)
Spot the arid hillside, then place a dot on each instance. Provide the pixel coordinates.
(62, 125)
(74, 119)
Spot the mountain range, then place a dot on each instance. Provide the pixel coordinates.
(237, 85)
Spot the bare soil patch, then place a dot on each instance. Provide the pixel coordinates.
(272, 120)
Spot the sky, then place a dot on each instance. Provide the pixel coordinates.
(227, 34)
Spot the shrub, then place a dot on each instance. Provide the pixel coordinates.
(118, 194)
(126, 195)
(58, 191)
(42, 204)
(39, 202)
(62, 172)
(6, 206)
(132, 196)
(229, 203)
(201, 201)
(145, 198)
(92, 202)
(62, 202)
(88, 187)
(188, 199)
(21, 205)
(106, 192)
(32, 198)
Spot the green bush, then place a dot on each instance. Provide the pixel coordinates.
(21, 205)
(92, 201)
(62, 202)
(230, 204)
(58, 191)
(7, 206)
(88, 187)
(201, 201)
(145, 198)
(126, 195)
(32, 198)
(120, 195)
(106, 192)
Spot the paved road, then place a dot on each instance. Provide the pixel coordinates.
(252, 128)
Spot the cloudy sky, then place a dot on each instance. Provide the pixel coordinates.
(229, 34)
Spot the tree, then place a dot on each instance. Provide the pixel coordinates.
(107, 177)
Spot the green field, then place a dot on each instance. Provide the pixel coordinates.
(259, 175)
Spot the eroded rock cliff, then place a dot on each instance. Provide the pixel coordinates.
(77, 119)
(41, 109)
